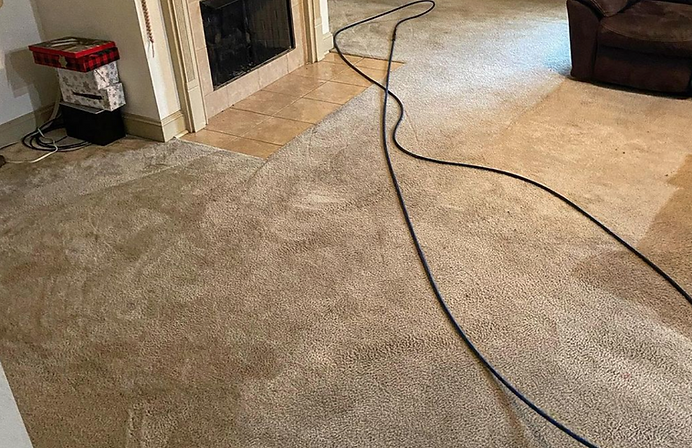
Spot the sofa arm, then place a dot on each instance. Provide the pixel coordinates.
(607, 8)
(583, 36)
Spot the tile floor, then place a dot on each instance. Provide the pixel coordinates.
(262, 123)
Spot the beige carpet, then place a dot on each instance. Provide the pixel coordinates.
(176, 296)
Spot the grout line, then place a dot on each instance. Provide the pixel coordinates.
(221, 132)
(354, 85)
(290, 119)
(215, 132)
(235, 149)
(264, 113)
(333, 102)
(251, 111)
(273, 116)
(272, 143)
(224, 133)
(315, 78)
(302, 98)
(308, 93)
(365, 57)
(260, 141)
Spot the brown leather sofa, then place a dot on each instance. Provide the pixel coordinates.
(644, 44)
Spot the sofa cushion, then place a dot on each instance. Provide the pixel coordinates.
(609, 8)
(649, 26)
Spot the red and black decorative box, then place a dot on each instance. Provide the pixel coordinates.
(75, 53)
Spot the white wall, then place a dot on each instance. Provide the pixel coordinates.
(12, 431)
(24, 86)
(149, 83)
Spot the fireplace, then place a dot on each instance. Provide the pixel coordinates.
(249, 44)
(241, 35)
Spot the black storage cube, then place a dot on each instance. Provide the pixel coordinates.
(96, 126)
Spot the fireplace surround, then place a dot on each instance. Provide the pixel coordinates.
(186, 40)
(290, 48)
(242, 35)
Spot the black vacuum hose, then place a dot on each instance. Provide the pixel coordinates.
(421, 254)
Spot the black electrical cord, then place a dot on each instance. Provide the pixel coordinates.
(38, 141)
(412, 231)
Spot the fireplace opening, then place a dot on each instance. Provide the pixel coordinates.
(241, 35)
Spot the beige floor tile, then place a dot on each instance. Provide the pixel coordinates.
(235, 122)
(310, 111)
(353, 78)
(334, 57)
(263, 102)
(212, 138)
(294, 85)
(255, 147)
(323, 71)
(377, 64)
(336, 61)
(278, 131)
(335, 92)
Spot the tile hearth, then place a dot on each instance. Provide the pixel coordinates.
(263, 122)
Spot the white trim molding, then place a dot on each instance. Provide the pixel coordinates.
(324, 38)
(162, 131)
(324, 45)
(319, 37)
(177, 20)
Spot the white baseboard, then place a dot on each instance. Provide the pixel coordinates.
(14, 130)
(162, 131)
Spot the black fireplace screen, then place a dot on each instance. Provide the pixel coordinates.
(244, 34)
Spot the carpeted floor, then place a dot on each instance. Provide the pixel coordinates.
(177, 296)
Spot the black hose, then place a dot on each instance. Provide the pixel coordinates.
(421, 254)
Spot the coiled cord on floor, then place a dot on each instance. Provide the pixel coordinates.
(421, 254)
(38, 141)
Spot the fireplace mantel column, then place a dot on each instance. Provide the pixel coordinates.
(319, 35)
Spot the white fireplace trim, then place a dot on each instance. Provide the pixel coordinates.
(325, 40)
(179, 34)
